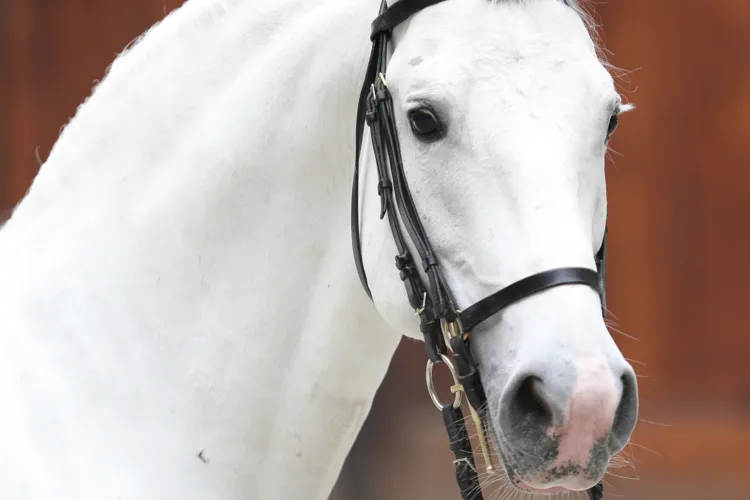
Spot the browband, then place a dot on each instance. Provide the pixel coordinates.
(397, 14)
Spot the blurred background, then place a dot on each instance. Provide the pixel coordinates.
(679, 196)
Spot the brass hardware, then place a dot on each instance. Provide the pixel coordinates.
(431, 386)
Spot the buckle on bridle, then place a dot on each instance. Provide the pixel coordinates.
(467, 462)
(380, 89)
(451, 329)
(419, 310)
(371, 110)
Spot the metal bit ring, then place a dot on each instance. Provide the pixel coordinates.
(431, 386)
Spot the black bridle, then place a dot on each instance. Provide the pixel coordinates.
(434, 302)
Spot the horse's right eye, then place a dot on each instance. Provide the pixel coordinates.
(425, 124)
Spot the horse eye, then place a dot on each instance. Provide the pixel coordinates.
(424, 124)
(612, 126)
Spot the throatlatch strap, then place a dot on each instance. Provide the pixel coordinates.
(360, 128)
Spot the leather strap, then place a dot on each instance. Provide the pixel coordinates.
(361, 109)
(466, 470)
(601, 267)
(376, 105)
(526, 287)
(597, 492)
(397, 14)
(468, 372)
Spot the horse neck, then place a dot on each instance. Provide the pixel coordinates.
(179, 310)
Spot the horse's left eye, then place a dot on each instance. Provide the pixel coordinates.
(424, 124)
(612, 125)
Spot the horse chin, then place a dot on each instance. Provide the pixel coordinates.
(515, 479)
(520, 485)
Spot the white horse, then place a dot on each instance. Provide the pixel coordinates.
(180, 315)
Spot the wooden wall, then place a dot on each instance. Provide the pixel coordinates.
(679, 189)
(52, 52)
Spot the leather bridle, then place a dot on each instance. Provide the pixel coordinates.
(440, 318)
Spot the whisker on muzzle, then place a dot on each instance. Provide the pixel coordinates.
(636, 445)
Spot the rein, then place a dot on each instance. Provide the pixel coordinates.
(441, 322)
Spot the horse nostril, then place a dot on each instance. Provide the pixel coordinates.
(531, 402)
(533, 405)
(626, 415)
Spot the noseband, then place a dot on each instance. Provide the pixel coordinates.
(440, 318)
